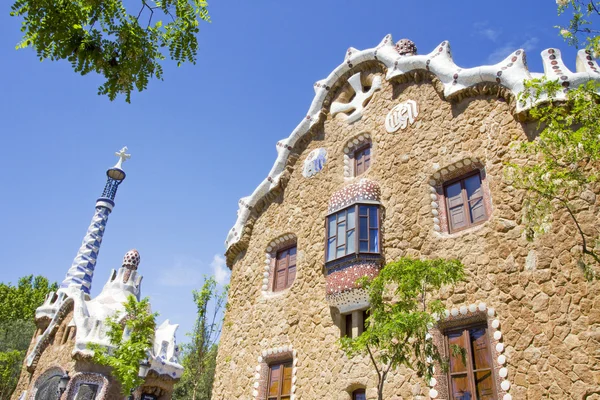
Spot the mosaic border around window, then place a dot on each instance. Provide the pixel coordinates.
(270, 356)
(44, 376)
(464, 315)
(284, 240)
(82, 378)
(454, 170)
(350, 147)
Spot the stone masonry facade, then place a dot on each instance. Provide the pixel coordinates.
(543, 316)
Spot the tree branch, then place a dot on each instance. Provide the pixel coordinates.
(594, 7)
(584, 243)
(565, 204)
(373, 361)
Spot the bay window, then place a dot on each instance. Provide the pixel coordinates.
(353, 230)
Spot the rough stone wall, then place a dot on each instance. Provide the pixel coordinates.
(549, 315)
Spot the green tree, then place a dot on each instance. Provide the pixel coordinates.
(581, 25)
(20, 302)
(17, 312)
(564, 165)
(10, 361)
(131, 335)
(403, 306)
(199, 356)
(127, 48)
(561, 175)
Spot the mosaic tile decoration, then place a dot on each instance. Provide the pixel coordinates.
(349, 300)
(344, 279)
(510, 73)
(89, 319)
(314, 162)
(355, 192)
(80, 274)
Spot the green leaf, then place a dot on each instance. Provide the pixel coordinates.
(102, 37)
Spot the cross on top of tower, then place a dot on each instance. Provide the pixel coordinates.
(123, 156)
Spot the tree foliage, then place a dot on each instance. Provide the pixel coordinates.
(9, 374)
(101, 36)
(564, 159)
(564, 162)
(403, 306)
(20, 302)
(17, 311)
(581, 25)
(131, 335)
(199, 357)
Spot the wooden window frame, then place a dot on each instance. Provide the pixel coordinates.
(466, 201)
(356, 392)
(470, 371)
(356, 229)
(287, 269)
(279, 394)
(361, 149)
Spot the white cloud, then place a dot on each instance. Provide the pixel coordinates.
(190, 272)
(503, 51)
(530, 44)
(483, 29)
(220, 269)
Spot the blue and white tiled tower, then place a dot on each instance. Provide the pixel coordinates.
(79, 276)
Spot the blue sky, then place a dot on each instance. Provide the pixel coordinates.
(205, 136)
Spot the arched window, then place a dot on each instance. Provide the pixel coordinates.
(280, 270)
(285, 268)
(362, 159)
(461, 197)
(359, 394)
(46, 387)
(358, 153)
(465, 202)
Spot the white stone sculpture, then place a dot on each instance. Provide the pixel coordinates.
(357, 104)
(401, 116)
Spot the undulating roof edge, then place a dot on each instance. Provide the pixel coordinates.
(509, 73)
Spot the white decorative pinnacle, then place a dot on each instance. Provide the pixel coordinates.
(123, 156)
(358, 102)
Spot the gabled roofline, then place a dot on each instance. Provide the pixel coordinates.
(509, 74)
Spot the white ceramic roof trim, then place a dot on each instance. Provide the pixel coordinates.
(442, 66)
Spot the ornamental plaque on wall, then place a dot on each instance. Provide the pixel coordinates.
(314, 162)
(401, 116)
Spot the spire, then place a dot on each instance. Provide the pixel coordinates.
(81, 272)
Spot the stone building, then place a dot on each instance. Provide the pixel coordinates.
(69, 320)
(403, 155)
